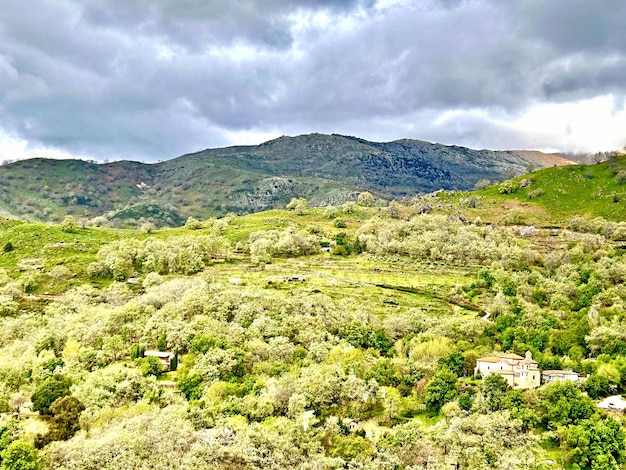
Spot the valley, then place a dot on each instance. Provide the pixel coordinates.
(334, 337)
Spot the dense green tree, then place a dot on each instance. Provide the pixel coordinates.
(65, 414)
(191, 386)
(594, 443)
(454, 362)
(9, 432)
(64, 422)
(565, 404)
(441, 390)
(598, 386)
(466, 401)
(21, 455)
(137, 350)
(151, 366)
(494, 390)
(48, 391)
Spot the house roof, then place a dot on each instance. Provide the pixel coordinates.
(559, 372)
(488, 359)
(528, 361)
(511, 356)
(159, 354)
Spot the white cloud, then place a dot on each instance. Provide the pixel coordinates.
(13, 148)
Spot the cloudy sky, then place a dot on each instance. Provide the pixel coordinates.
(154, 79)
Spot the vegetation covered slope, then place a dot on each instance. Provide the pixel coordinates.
(326, 169)
(343, 337)
(550, 196)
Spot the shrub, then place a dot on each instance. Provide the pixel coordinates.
(21, 455)
(193, 224)
(366, 199)
(151, 366)
(68, 225)
(620, 178)
(514, 217)
(339, 223)
(60, 273)
(508, 187)
(482, 184)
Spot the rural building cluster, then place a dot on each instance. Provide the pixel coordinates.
(520, 372)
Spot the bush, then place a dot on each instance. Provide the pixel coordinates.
(193, 224)
(68, 225)
(366, 199)
(482, 184)
(151, 366)
(508, 187)
(60, 273)
(620, 178)
(21, 455)
(514, 217)
(340, 250)
(339, 223)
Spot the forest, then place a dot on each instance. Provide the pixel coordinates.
(342, 337)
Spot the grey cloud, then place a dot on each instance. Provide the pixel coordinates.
(156, 78)
(575, 26)
(196, 24)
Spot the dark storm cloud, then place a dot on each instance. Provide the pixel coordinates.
(156, 78)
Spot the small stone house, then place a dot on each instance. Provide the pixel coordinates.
(166, 358)
(518, 371)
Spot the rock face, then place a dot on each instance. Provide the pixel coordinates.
(326, 169)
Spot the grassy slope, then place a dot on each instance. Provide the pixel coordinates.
(577, 190)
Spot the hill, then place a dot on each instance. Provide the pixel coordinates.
(553, 196)
(338, 337)
(325, 169)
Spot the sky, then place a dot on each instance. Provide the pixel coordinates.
(150, 80)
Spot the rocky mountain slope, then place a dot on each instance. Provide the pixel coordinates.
(326, 169)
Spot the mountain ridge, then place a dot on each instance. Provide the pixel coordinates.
(326, 169)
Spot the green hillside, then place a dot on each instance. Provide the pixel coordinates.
(325, 169)
(550, 196)
(337, 337)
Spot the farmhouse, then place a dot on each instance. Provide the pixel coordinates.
(166, 358)
(518, 371)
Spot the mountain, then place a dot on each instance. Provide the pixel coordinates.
(326, 169)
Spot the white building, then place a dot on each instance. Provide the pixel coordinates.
(549, 376)
(518, 371)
